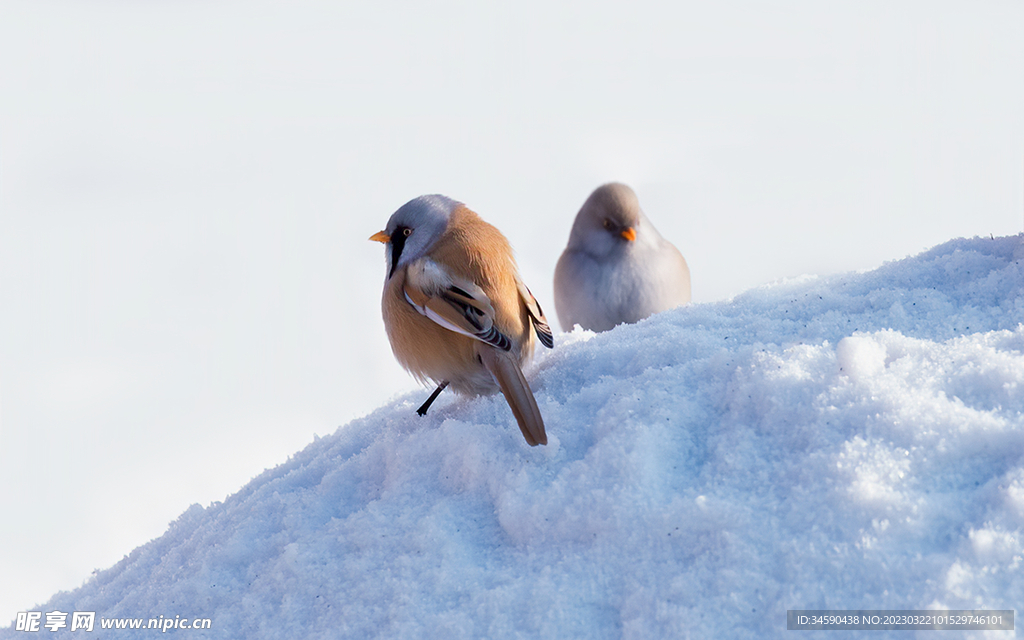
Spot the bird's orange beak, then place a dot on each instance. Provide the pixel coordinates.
(629, 233)
(380, 236)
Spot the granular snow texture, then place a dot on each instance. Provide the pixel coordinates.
(846, 442)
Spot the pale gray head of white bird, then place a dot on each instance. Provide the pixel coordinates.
(413, 229)
(611, 222)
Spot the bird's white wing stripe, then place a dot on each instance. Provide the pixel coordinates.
(430, 313)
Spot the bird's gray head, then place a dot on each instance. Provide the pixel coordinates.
(610, 222)
(414, 228)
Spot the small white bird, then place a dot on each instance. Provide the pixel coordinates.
(455, 309)
(617, 268)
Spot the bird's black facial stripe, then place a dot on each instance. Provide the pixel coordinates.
(397, 245)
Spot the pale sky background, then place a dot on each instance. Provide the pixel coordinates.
(187, 188)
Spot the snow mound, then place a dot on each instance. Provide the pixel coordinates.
(847, 442)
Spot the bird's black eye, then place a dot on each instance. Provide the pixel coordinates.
(407, 232)
(608, 224)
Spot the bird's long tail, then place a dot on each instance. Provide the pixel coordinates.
(516, 390)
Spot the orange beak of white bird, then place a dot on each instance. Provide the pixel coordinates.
(629, 233)
(382, 237)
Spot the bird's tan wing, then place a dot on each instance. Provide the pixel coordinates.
(540, 323)
(454, 303)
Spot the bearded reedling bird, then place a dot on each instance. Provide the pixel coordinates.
(455, 309)
(616, 268)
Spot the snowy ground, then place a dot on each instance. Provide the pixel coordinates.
(187, 188)
(850, 442)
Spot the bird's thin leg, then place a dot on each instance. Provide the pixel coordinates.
(426, 405)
